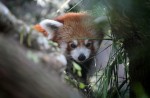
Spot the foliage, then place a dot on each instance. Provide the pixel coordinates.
(110, 85)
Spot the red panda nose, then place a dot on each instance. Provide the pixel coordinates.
(81, 57)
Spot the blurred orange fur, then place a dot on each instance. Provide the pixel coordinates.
(40, 29)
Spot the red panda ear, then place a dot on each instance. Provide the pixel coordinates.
(50, 24)
(47, 27)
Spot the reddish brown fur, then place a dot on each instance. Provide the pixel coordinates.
(76, 26)
(40, 29)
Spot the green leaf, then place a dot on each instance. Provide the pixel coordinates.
(81, 85)
(76, 66)
(79, 73)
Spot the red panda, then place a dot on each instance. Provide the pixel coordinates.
(75, 33)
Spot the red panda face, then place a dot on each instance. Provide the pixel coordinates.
(80, 50)
(72, 32)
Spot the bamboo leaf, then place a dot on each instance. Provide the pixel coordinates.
(76, 66)
(79, 73)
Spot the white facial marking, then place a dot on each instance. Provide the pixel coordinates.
(45, 24)
(86, 41)
(96, 45)
(75, 42)
(80, 50)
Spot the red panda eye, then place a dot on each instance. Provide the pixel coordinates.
(88, 44)
(73, 45)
